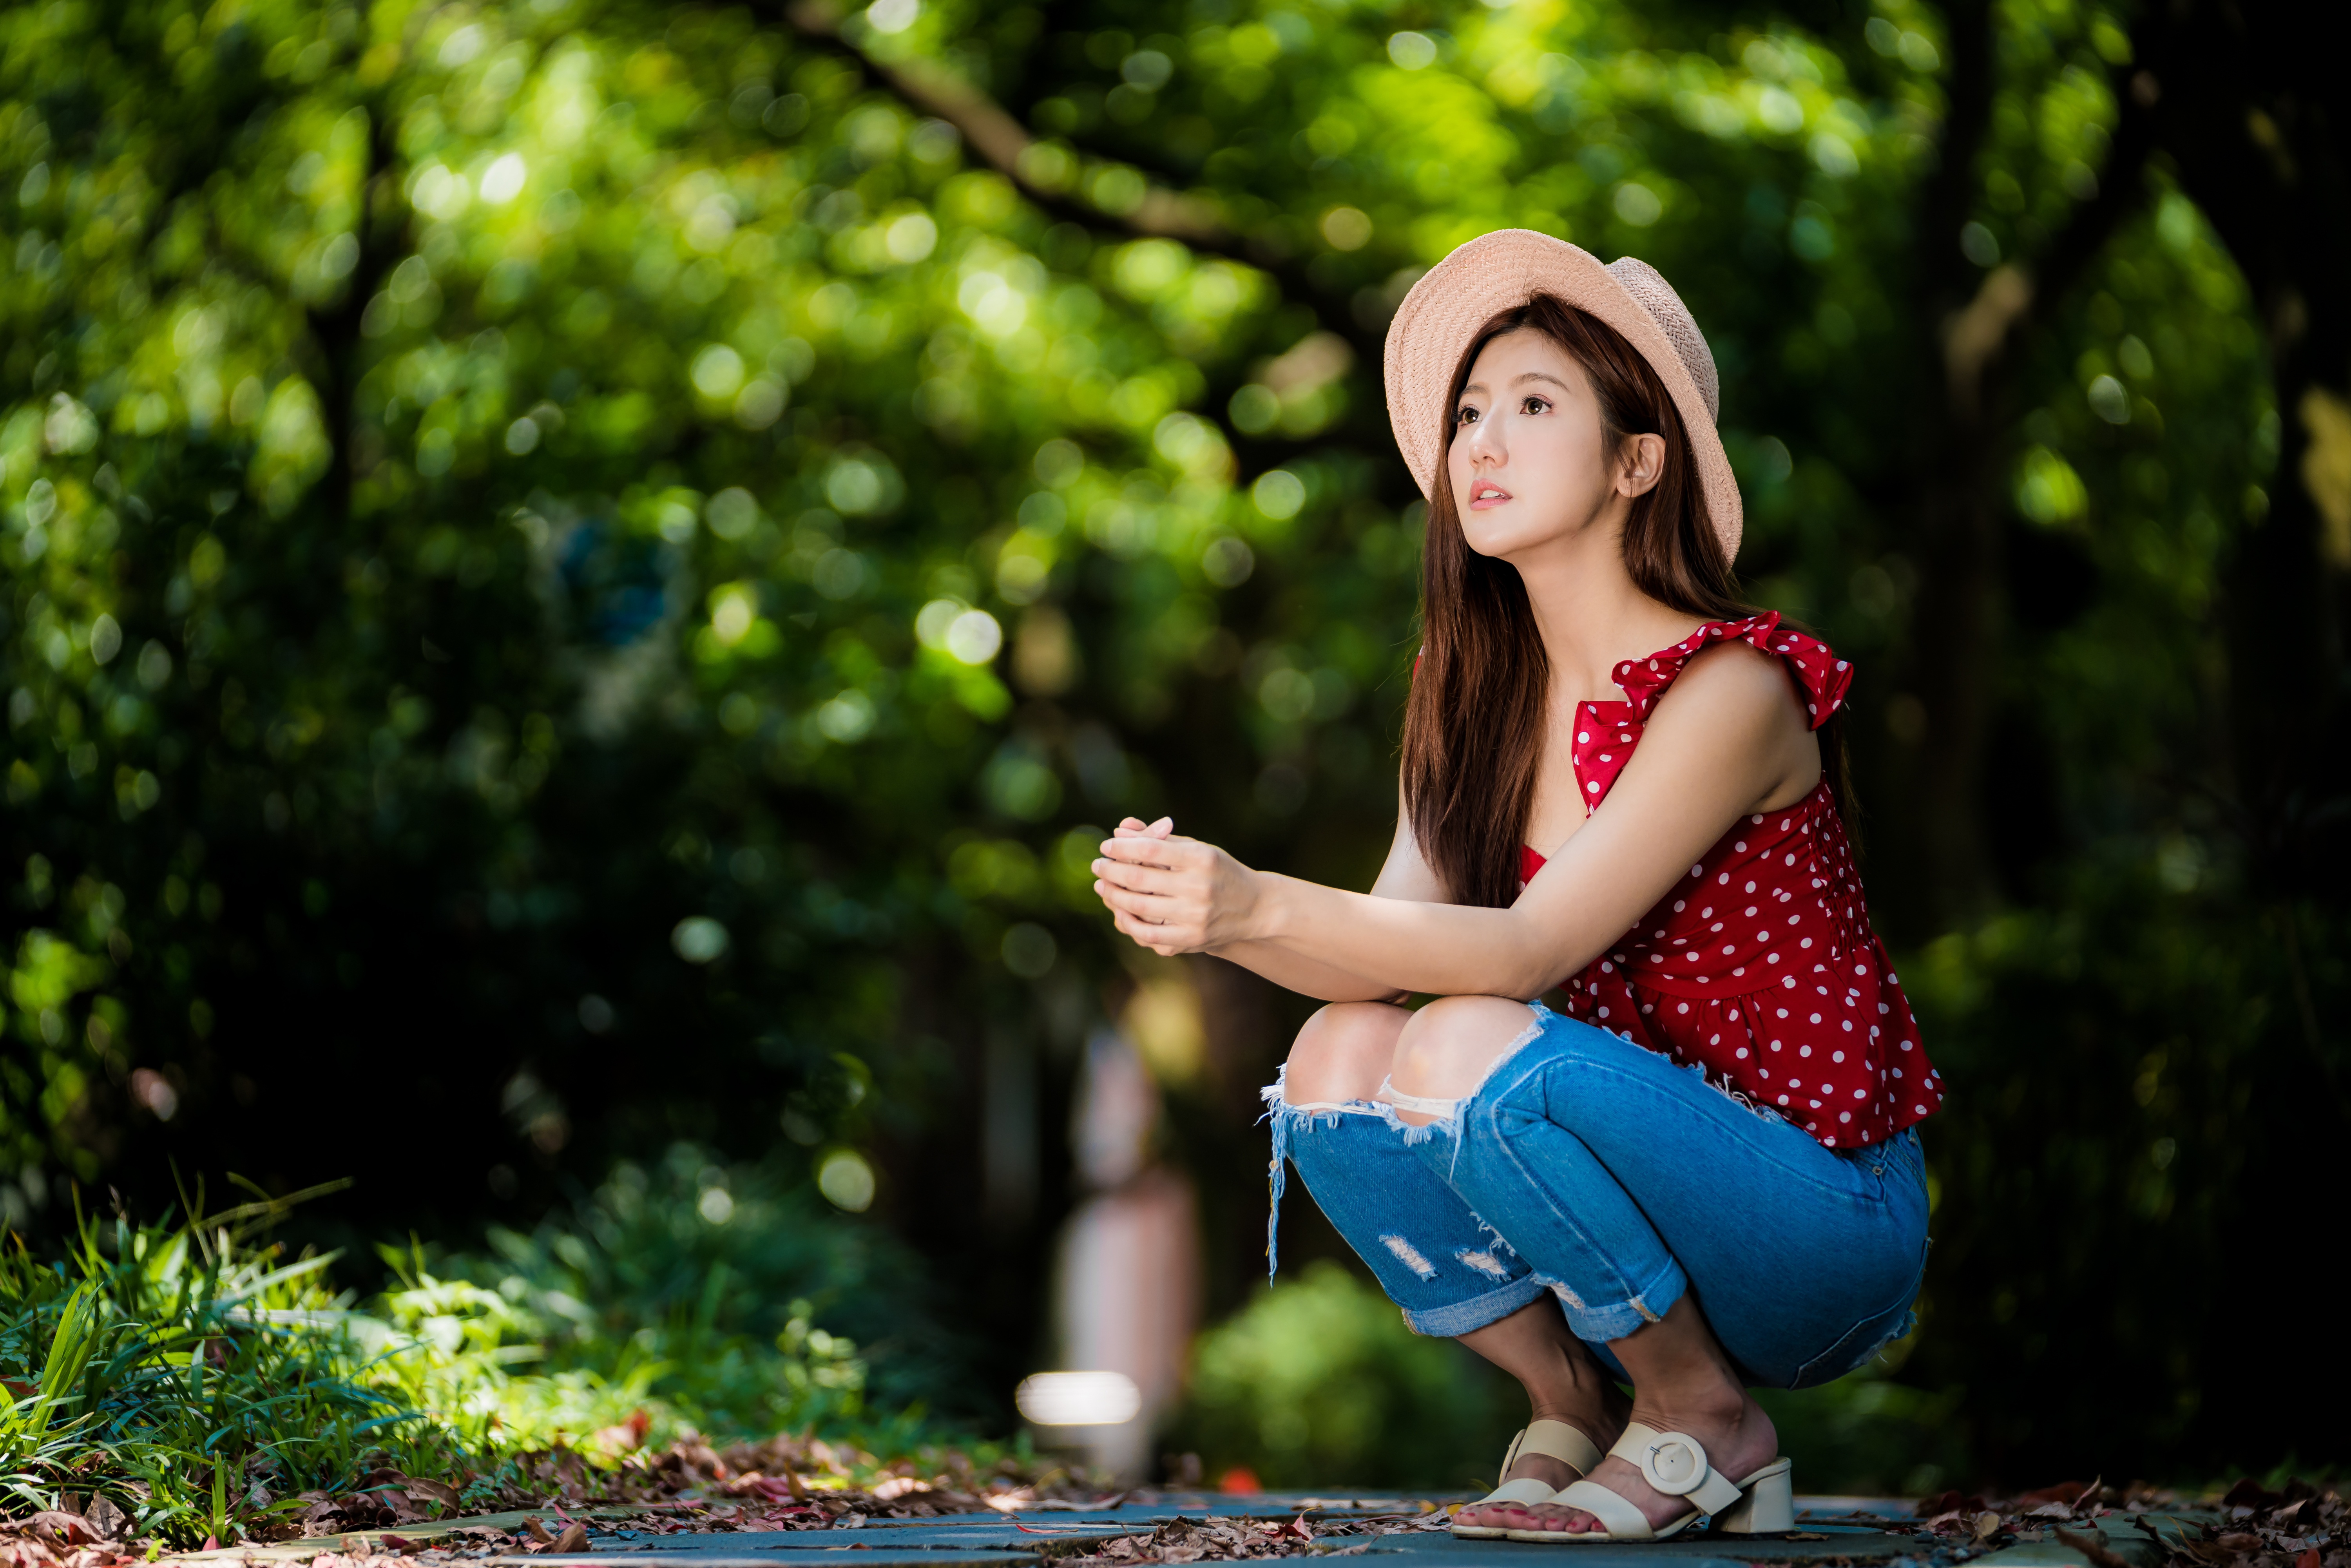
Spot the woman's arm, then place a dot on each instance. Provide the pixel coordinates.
(1406, 875)
(1308, 978)
(1731, 738)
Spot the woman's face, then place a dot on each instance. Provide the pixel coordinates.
(1530, 462)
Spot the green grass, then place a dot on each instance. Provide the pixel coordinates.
(193, 1373)
(162, 1364)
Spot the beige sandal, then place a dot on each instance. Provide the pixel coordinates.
(1552, 1440)
(1675, 1464)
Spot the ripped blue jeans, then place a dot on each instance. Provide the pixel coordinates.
(1589, 1167)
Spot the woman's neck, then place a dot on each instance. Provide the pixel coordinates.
(1590, 614)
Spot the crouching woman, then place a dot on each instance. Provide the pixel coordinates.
(1620, 787)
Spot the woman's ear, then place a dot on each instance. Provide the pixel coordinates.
(1640, 463)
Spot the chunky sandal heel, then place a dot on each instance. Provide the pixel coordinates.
(1551, 1440)
(1766, 1505)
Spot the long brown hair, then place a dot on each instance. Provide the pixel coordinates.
(1473, 726)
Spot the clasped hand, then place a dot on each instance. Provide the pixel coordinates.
(1174, 895)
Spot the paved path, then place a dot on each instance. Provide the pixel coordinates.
(1842, 1530)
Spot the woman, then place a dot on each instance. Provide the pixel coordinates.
(1700, 1173)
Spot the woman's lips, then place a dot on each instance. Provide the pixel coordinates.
(1487, 496)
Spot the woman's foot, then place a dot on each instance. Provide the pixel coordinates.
(1738, 1437)
(1601, 1419)
(1564, 1383)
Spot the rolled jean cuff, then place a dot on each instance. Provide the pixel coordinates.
(1457, 1318)
(1597, 1324)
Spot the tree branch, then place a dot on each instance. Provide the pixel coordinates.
(335, 331)
(2011, 298)
(1948, 196)
(1007, 147)
(1960, 519)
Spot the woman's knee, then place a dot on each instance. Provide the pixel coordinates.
(1342, 1053)
(1449, 1046)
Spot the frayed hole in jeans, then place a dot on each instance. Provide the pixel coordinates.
(1389, 1094)
(1409, 1256)
(1415, 1136)
(1446, 1112)
(1485, 1263)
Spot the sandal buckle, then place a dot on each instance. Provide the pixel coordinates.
(1675, 1464)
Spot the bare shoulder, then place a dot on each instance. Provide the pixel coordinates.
(1737, 682)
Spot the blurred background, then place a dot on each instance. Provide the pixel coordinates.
(582, 578)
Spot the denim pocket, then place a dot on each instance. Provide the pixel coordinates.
(1859, 1343)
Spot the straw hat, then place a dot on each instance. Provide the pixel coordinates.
(1499, 271)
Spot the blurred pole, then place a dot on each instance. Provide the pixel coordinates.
(1128, 1282)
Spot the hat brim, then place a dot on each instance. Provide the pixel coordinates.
(1498, 272)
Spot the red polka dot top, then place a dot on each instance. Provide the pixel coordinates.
(1761, 966)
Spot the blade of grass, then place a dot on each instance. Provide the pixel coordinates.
(69, 1355)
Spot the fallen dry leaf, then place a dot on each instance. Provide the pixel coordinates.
(2093, 1547)
(438, 1491)
(2297, 1527)
(66, 1528)
(107, 1518)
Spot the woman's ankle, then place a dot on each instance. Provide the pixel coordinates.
(1598, 1409)
(1593, 1419)
(1697, 1411)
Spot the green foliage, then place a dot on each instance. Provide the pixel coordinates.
(693, 1292)
(1866, 1434)
(626, 497)
(2136, 1084)
(702, 1286)
(168, 1359)
(191, 1373)
(1319, 1383)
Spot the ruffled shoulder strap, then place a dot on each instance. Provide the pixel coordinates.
(1821, 676)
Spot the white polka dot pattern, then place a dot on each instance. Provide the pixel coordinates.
(1762, 967)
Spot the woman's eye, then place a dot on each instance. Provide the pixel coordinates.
(1466, 417)
(1536, 406)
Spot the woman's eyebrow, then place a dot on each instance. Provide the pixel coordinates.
(1539, 376)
